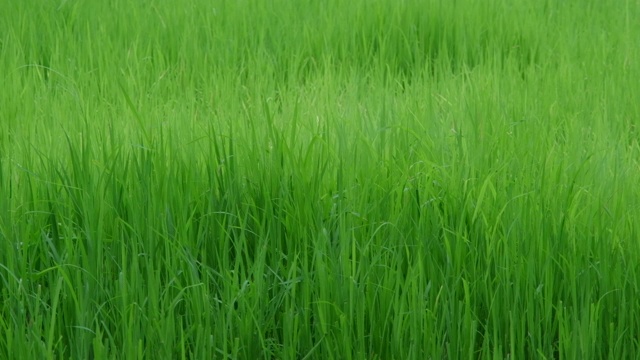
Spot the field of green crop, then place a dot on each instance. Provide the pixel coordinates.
(320, 179)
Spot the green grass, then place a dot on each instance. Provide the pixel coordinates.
(319, 179)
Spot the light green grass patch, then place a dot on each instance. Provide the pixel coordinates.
(349, 180)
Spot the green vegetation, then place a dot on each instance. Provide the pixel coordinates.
(388, 179)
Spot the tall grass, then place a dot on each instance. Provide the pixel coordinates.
(319, 179)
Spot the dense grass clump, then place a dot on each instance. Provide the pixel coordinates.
(319, 179)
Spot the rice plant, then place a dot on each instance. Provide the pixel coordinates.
(411, 179)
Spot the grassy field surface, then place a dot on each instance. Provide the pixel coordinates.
(289, 179)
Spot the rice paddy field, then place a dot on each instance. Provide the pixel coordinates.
(306, 179)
